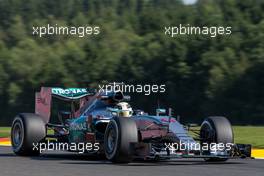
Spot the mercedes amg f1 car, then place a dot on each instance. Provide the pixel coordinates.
(121, 132)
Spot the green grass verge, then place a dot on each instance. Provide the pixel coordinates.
(243, 134)
(4, 132)
(249, 135)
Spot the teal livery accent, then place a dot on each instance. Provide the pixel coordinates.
(71, 93)
(77, 129)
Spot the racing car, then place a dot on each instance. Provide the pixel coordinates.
(122, 133)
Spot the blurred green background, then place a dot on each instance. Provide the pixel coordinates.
(204, 76)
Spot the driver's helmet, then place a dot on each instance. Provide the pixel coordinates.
(124, 109)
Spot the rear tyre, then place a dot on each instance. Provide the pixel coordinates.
(120, 133)
(28, 130)
(216, 130)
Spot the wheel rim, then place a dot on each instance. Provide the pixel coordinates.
(111, 140)
(207, 133)
(17, 135)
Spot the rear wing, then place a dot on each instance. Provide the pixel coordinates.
(43, 99)
(71, 93)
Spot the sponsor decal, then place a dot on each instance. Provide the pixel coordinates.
(73, 93)
(69, 91)
(78, 126)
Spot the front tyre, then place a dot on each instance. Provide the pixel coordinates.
(27, 129)
(120, 133)
(216, 130)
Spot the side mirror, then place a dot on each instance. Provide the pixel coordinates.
(114, 111)
(160, 111)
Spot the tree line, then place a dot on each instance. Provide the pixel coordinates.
(204, 76)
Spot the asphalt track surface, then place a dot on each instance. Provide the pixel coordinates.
(71, 164)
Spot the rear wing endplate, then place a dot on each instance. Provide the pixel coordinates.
(43, 99)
